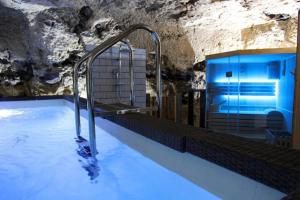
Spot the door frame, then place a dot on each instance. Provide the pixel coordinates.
(296, 111)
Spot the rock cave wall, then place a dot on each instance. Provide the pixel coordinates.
(40, 40)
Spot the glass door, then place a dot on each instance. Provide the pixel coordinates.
(231, 103)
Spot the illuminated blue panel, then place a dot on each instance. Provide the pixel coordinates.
(245, 88)
(253, 85)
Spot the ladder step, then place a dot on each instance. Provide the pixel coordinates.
(123, 111)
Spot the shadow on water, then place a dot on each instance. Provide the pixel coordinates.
(88, 163)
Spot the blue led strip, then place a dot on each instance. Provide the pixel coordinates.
(250, 89)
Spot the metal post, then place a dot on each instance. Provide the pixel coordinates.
(76, 93)
(90, 108)
(131, 76)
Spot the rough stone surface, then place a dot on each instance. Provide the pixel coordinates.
(45, 37)
(14, 31)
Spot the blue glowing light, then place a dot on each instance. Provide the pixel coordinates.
(244, 95)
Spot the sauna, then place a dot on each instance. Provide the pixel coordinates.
(250, 92)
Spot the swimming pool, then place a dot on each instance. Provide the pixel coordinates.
(38, 160)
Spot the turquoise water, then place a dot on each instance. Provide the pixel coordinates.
(39, 161)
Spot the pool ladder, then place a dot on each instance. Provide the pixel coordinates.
(89, 58)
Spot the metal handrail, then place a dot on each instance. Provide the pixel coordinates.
(76, 89)
(90, 57)
(76, 92)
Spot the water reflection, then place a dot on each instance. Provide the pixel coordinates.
(6, 113)
(91, 166)
(89, 163)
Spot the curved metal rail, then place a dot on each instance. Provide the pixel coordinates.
(76, 90)
(90, 57)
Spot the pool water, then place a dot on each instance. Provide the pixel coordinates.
(39, 161)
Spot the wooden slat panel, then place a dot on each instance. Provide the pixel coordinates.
(252, 51)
